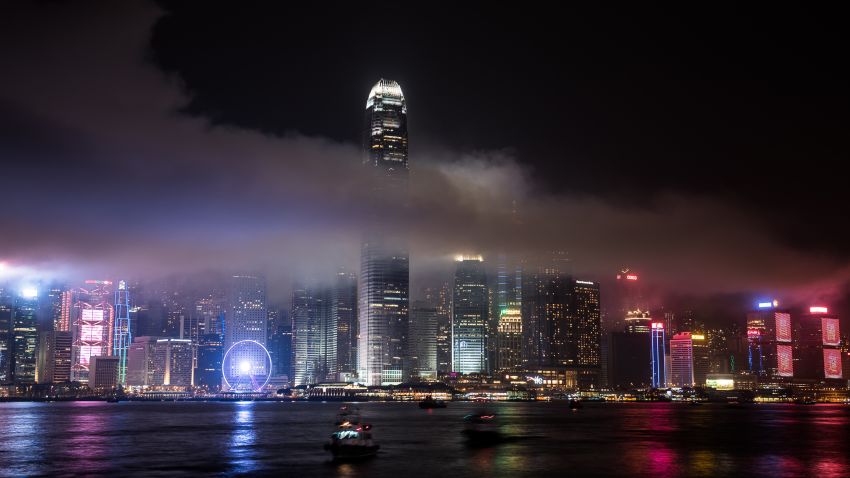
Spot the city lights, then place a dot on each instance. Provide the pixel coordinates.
(818, 310)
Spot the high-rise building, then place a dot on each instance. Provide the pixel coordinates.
(443, 301)
(140, 361)
(702, 358)
(818, 345)
(103, 373)
(122, 337)
(210, 355)
(509, 338)
(344, 313)
(209, 314)
(280, 347)
(658, 355)
(628, 297)
(54, 357)
(173, 362)
(469, 317)
(246, 320)
(630, 360)
(91, 319)
(769, 341)
(6, 314)
(24, 338)
(423, 341)
(638, 322)
(682, 360)
(384, 266)
(548, 332)
(313, 334)
(585, 314)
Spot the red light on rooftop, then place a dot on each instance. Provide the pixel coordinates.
(818, 310)
(632, 277)
(658, 325)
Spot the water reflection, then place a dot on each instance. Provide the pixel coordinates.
(241, 452)
(87, 442)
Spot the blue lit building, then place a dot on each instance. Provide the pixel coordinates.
(658, 352)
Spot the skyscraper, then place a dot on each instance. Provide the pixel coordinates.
(818, 342)
(658, 353)
(384, 266)
(210, 355)
(469, 317)
(585, 313)
(443, 302)
(122, 336)
(509, 338)
(6, 307)
(91, 319)
(345, 314)
(24, 337)
(313, 334)
(423, 341)
(682, 360)
(769, 341)
(54, 357)
(548, 331)
(246, 319)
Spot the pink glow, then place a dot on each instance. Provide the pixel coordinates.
(818, 310)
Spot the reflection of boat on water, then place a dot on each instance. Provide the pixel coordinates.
(804, 401)
(429, 402)
(353, 439)
(482, 429)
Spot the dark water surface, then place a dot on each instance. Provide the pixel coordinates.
(285, 439)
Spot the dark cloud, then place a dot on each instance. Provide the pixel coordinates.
(111, 169)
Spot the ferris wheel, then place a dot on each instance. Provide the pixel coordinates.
(246, 367)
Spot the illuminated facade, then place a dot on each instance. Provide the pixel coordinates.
(383, 316)
(548, 331)
(246, 319)
(345, 315)
(702, 358)
(769, 341)
(638, 322)
(658, 353)
(210, 356)
(818, 345)
(444, 329)
(173, 362)
(54, 357)
(5, 338)
(682, 360)
(24, 337)
(423, 341)
(103, 373)
(509, 338)
(92, 318)
(122, 336)
(585, 312)
(470, 309)
(628, 297)
(314, 335)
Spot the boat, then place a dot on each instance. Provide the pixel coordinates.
(575, 404)
(353, 439)
(429, 403)
(112, 399)
(481, 429)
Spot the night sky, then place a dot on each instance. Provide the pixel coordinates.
(702, 147)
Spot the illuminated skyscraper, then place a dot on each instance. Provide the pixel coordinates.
(702, 358)
(345, 315)
(173, 362)
(92, 318)
(54, 357)
(24, 337)
(470, 309)
(658, 352)
(509, 338)
(384, 266)
(313, 335)
(682, 360)
(548, 332)
(122, 336)
(818, 345)
(246, 319)
(423, 342)
(443, 303)
(5, 337)
(586, 317)
(769, 337)
(210, 355)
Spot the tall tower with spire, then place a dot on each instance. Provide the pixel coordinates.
(384, 263)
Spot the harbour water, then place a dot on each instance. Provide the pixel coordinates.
(548, 439)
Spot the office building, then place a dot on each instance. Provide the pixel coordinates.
(210, 355)
(384, 290)
(103, 373)
(423, 341)
(470, 309)
(54, 357)
(681, 360)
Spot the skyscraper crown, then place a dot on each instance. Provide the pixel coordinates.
(386, 90)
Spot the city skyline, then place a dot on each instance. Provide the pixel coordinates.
(181, 225)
